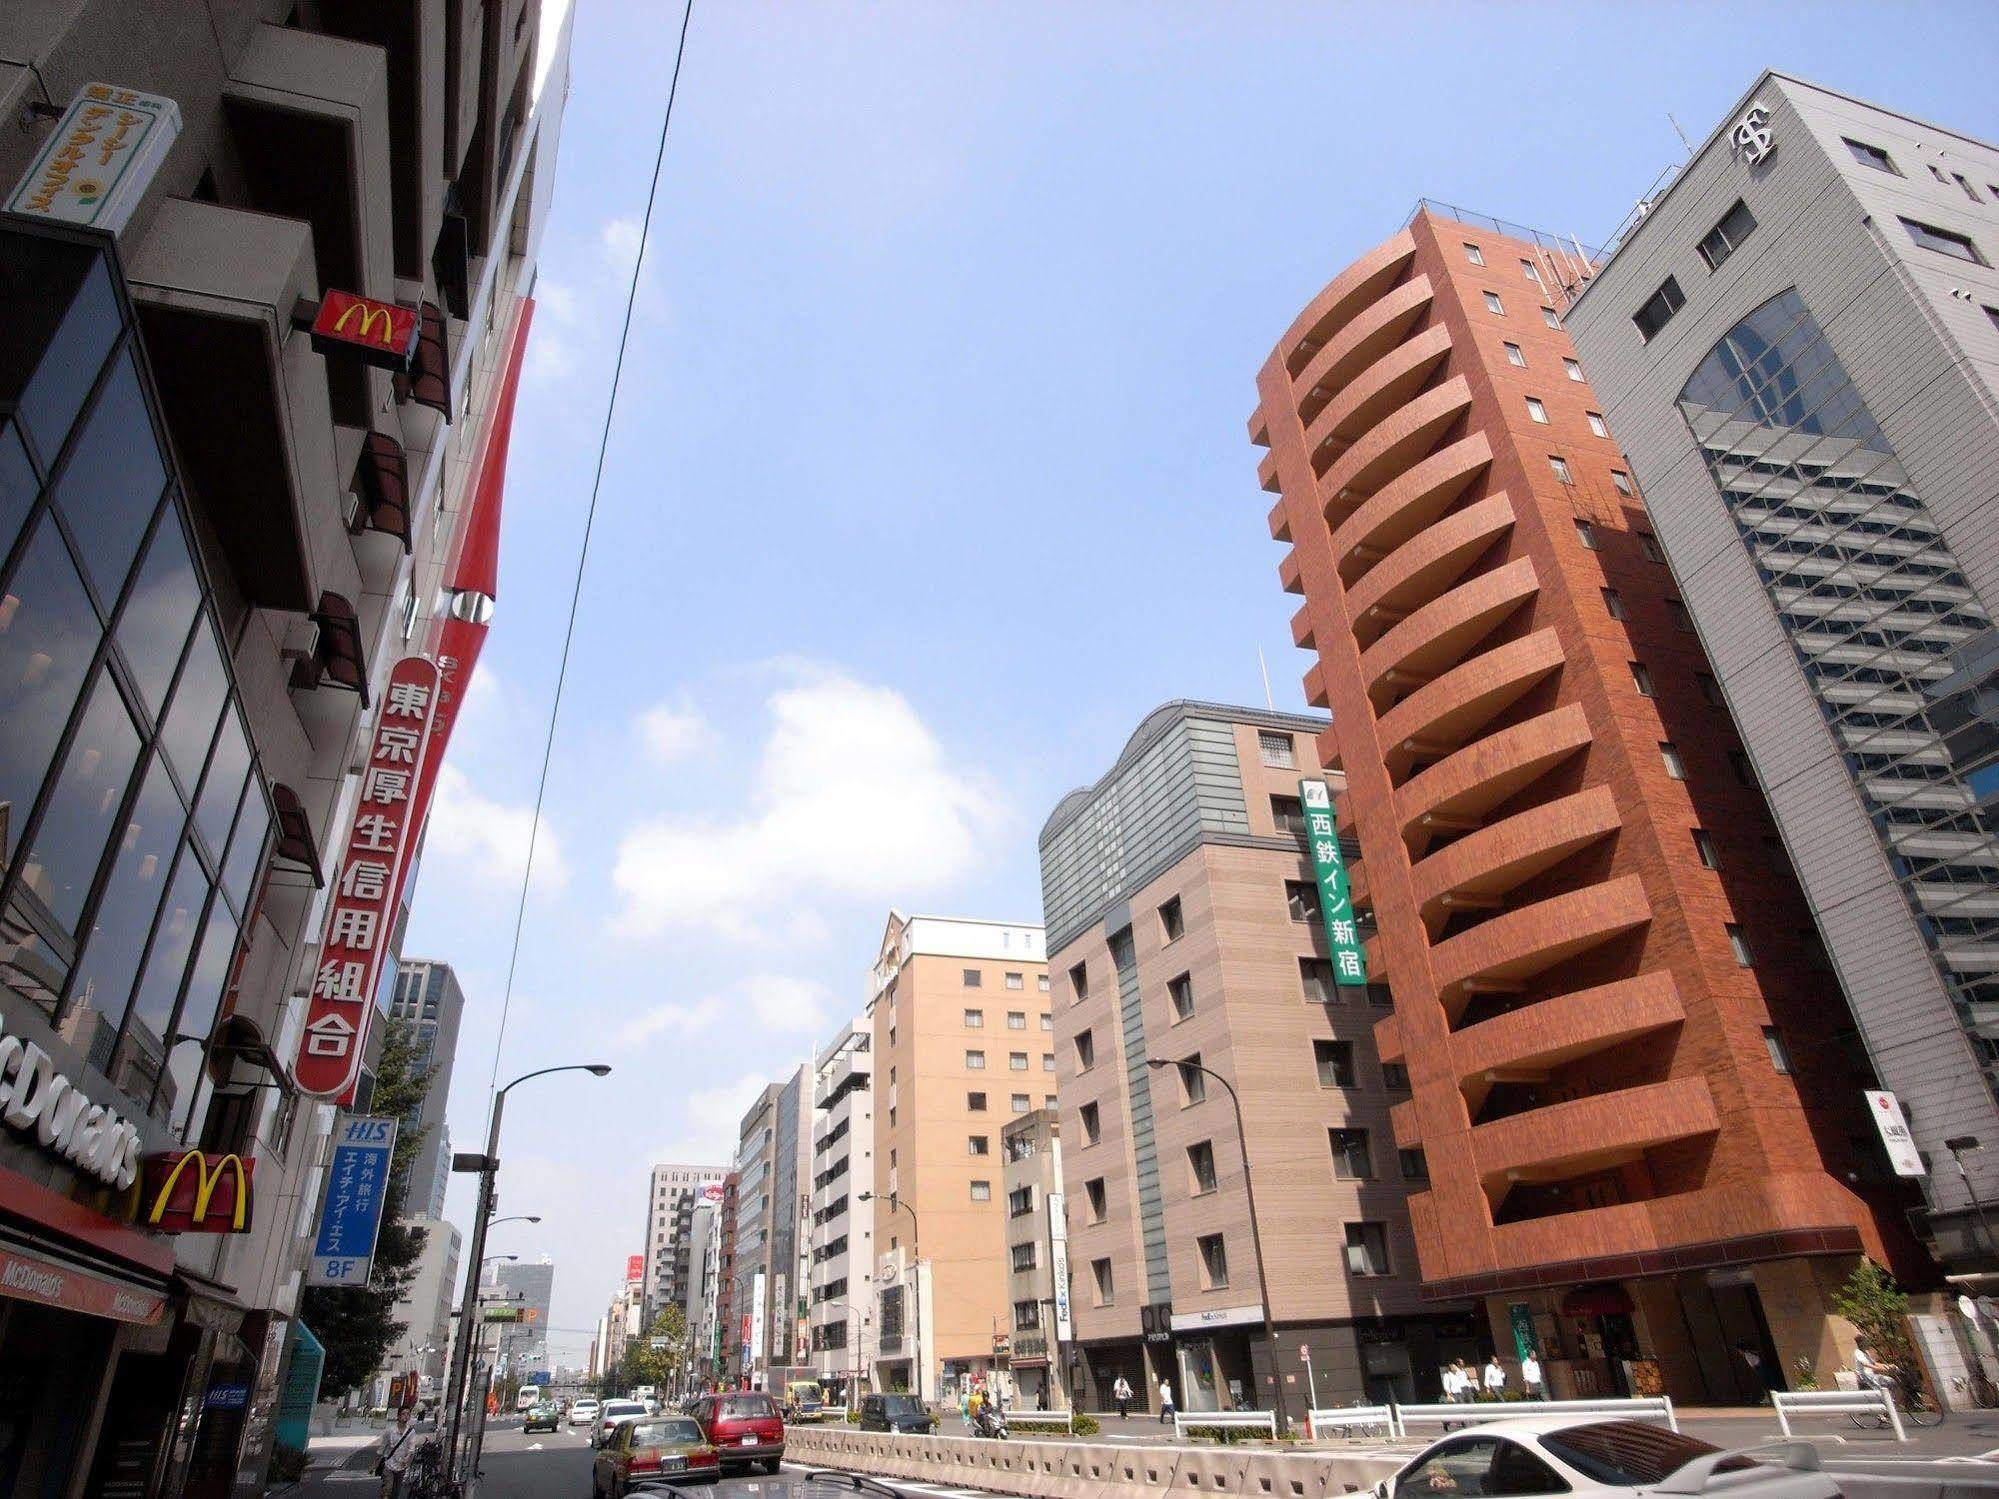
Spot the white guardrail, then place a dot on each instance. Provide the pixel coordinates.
(1477, 1412)
(1064, 1419)
(1185, 1421)
(1789, 1403)
(1364, 1419)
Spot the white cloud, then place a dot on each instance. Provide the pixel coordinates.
(488, 839)
(673, 731)
(712, 1118)
(773, 1003)
(550, 356)
(853, 798)
(620, 238)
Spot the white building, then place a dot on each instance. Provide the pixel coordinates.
(671, 1198)
(840, 1232)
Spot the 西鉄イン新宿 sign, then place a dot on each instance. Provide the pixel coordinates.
(1322, 843)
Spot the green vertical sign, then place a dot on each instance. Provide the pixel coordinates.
(1322, 842)
(1522, 1318)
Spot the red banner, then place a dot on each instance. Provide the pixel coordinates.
(379, 333)
(192, 1192)
(635, 1267)
(26, 1278)
(360, 916)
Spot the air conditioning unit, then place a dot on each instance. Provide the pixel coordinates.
(301, 642)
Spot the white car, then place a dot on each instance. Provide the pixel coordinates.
(583, 1413)
(615, 1411)
(1580, 1456)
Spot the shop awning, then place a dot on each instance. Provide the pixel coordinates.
(1597, 1301)
(60, 1253)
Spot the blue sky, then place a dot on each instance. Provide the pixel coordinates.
(930, 475)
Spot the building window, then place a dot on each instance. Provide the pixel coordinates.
(1367, 1249)
(1093, 1195)
(1315, 977)
(1415, 1167)
(975, 1061)
(1335, 1063)
(1710, 689)
(974, 978)
(1681, 619)
(1596, 423)
(978, 1145)
(1649, 545)
(1474, 254)
(1021, 1103)
(1181, 992)
(1193, 1081)
(1969, 191)
(1560, 468)
(1871, 156)
(1026, 1314)
(1302, 897)
(975, 1019)
(975, 1103)
(1722, 241)
(1494, 305)
(1041, 982)
(1641, 679)
(1092, 1121)
(1745, 772)
(1016, 1061)
(1086, 1050)
(1079, 980)
(1738, 943)
(1780, 1054)
(1537, 411)
(1047, 1022)
(1943, 241)
(1201, 1166)
(1574, 368)
(1380, 996)
(1171, 924)
(1549, 316)
(1048, 1061)
(1020, 1202)
(1100, 1272)
(1395, 1077)
(1016, 981)
(1288, 814)
(1613, 603)
(1993, 314)
(982, 1191)
(1214, 1262)
(1659, 309)
(1352, 1160)
(1527, 269)
(1023, 1259)
(1704, 847)
(1514, 356)
(1016, 1020)
(1276, 750)
(1621, 482)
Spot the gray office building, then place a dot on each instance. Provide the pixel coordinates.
(523, 1344)
(1797, 344)
(427, 997)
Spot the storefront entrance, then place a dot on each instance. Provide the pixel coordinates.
(1725, 1324)
(1214, 1373)
(51, 1365)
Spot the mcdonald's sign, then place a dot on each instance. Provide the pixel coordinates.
(193, 1192)
(381, 333)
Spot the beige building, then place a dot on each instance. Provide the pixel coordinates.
(1036, 1259)
(961, 1033)
(1183, 926)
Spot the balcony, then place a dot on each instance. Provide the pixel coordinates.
(1404, 507)
(843, 1076)
(1537, 1038)
(1443, 716)
(1422, 568)
(1390, 449)
(1460, 789)
(1587, 1135)
(1380, 389)
(1370, 335)
(1440, 634)
(1342, 300)
(1514, 947)
(1485, 865)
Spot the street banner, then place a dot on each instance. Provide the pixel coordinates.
(758, 1346)
(1901, 1145)
(1322, 841)
(1058, 1263)
(350, 1213)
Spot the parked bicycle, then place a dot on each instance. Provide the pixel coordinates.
(426, 1476)
(1976, 1388)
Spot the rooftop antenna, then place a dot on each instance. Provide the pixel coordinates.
(1689, 145)
(1268, 701)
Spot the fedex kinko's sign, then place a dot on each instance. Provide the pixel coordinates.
(361, 912)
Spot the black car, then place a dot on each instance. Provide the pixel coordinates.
(900, 1413)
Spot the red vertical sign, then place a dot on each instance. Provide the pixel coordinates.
(360, 916)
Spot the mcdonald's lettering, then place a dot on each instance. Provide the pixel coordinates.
(211, 1198)
(381, 333)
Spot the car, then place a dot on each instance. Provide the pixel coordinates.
(584, 1412)
(1580, 1456)
(745, 1427)
(898, 1413)
(613, 1412)
(543, 1417)
(653, 1450)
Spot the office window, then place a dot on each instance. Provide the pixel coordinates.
(1016, 1061)
(1047, 1022)
(1100, 1272)
(1276, 750)
(1023, 1259)
(1395, 1077)
(975, 1061)
(1871, 156)
(1780, 1054)
(1621, 482)
(1020, 1202)
(1380, 997)
(1181, 992)
(975, 1102)
(1288, 814)
(1681, 619)
(1613, 603)
(974, 978)
(1710, 689)
(1537, 411)
(978, 1145)
(1093, 1193)
(1415, 1166)
(975, 1019)
(1016, 1020)
(1549, 316)
(1969, 191)
(1514, 356)
(1092, 1121)
(1493, 304)
(1943, 241)
(1738, 942)
(1472, 253)
(1022, 1103)
(1367, 1249)
(1201, 1166)
(1574, 369)
(1641, 679)
(1649, 545)
(1659, 309)
(1086, 1050)
(982, 1191)
(1303, 899)
(1335, 1063)
(1048, 1061)
(1214, 1261)
(1041, 982)
(1675, 767)
(1527, 269)
(1722, 241)
(1352, 1160)
(1315, 976)
(1171, 924)
(1016, 981)
(1704, 847)
(1079, 980)
(1560, 466)
(1596, 423)
(1193, 1081)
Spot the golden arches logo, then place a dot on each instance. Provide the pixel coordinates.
(207, 1179)
(369, 311)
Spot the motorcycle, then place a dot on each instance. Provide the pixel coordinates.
(990, 1422)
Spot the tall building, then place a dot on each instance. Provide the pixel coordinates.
(218, 536)
(672, 1194)
(841, 1236)
(523, 1344)
(773, 1153)
(962, 1040)
(426, 1306)
(1183, 926)
(622, 1321)
(429, 1001)
(1640, 1156)
(1799, 345)
(1037, 1233)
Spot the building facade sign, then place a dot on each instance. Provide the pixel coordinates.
(1058, 1265)
(360, 915)
(1751, 136)
(350, 1214)
(1220, 1316)
(45, 1107)
(25, 1278)
(97, 162)
(635, 1268)
(349, 325)
(1322, 838)
(193, 1192)
(754, 1353)
(1895, 1137)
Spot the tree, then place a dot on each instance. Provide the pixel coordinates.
(358, 1325)
(659, 1367)
(1873, 1303)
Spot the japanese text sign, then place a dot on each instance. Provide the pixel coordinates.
(350, 1212)
(1322, 842)
(360, 914)
(1901, 1145)
(380, 333)
(94, 167)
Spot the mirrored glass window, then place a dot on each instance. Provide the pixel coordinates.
(48, 634)
(112, 481)
(153, 629)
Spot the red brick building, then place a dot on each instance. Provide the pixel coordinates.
(1630, 1072)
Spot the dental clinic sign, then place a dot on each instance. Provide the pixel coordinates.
(1322, 842)
(43, 1106)
(98, 161)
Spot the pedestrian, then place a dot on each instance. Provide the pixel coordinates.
(1121, 1393)
(1165, 1402)
(1495, 1379)
(398, 1446)
(965, 1408)
(1530, 1376)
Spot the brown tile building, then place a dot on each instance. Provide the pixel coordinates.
(1183, 926)
(1642, 1129)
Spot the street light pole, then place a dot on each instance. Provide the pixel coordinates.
(1255, 1234)
(915, 1289)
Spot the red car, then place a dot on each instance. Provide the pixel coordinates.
(745, 1428)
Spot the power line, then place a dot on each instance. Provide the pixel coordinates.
(583, 554)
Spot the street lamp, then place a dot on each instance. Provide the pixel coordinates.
(487, 1166)
(915, 1288)
(516, 1218)
(1255, 1236)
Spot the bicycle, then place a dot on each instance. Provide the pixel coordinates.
(425, 1478)
(1976, 1388)
(1912, 1401)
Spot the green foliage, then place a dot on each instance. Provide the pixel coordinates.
(357, 1324)
(853, 1418)
(1087, 1425)
(659, 1367)
(1874, 1304)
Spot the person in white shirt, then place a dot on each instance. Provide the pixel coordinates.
(398, 1446)
(1530, 1376)
(1121, 1393)
(1871, 1373)
(1495, 1378)
(1165, 1402)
